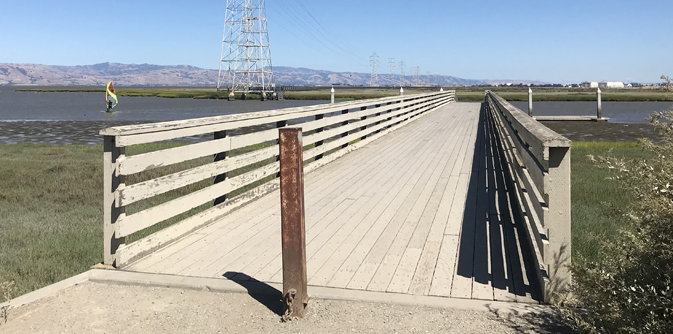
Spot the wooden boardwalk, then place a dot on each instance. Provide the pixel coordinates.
(422, 210)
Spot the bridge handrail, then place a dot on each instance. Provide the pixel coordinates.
(539, 167)
(332, 133)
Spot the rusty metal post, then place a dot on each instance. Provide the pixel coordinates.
(295, 294)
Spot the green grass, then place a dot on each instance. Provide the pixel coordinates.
(598, 203)
(50, 213)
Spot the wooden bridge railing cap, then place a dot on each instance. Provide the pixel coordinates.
(175, 125)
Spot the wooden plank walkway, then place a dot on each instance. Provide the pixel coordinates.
(423, 210)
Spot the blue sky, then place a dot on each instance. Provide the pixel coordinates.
(551, 41)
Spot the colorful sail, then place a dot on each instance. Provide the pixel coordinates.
(110, 91)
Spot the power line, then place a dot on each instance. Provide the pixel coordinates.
(417, 81)
(374, 60)
(331, 35)
(391, 67)
(311, 30)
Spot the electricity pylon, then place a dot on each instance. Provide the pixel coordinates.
(245, 60)
(391, 66)
(374, 60)
(417, 80)
(401, 73)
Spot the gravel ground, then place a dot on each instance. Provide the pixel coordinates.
(102, 308)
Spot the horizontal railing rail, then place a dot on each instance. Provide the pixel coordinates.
(331, 130)
(538, 162)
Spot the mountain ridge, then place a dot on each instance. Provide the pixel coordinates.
(14, 74)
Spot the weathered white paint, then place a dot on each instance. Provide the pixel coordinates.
(598, 107)
(547, 223)
(393, 113)
(530, 102)
(537, 136)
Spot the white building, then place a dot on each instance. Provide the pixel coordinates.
(602, 84)
(589, 84)
(614, 84)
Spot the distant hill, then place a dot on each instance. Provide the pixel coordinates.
(185, 75)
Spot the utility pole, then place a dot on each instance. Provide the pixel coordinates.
(391, 67)
(374, 61)
(401, 73)
(417, 81)
(245, 59)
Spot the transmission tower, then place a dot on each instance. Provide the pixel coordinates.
(401, 73)
(417, 80)
(245, 61)
(374, 60)
(391, 67)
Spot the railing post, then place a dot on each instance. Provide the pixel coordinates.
(344, 123)
(279, 125)
(530, 102)
(558, 222)
(401, 91)
(319, 130)
(598, 107)
(379, 114)
(219, 157)
(332, 94)
(111, 182)
(295, 292)
(362, 128)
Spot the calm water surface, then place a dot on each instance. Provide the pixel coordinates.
(618, 112)
(76, 118)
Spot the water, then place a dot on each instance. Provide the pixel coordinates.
(76, 118)
(618, 112)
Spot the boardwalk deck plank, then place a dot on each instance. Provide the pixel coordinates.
(422, 210)
(411, 215)
(422, 239)
(409, 146)
(442, 280)
(424, 274)
(311, 234)
(387, 207)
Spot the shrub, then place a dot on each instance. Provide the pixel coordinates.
(628, 289)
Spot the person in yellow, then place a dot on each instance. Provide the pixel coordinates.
(110, 96)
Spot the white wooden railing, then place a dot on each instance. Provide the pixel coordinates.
(539, 168)
(330, 131)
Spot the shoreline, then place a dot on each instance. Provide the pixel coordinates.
(463, 94)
